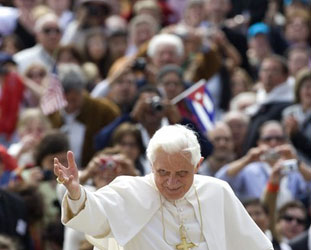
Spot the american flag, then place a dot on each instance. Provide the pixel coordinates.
(53, 97)
(200, 103)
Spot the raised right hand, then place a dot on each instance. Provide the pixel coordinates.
(68, 176)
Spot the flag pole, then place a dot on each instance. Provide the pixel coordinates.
(185, 93)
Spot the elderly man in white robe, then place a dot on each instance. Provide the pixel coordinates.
(171, 208)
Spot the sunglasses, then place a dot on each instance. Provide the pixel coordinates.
(270, 138)
(40, 74)
(49, 30)
(289, 218)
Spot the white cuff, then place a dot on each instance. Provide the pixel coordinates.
(75, 205)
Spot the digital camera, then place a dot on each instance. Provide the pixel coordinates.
(107, 163)
(270, 155)
(156, 103)
(139, 64)
(289, 166)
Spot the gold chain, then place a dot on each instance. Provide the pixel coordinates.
(201, 220)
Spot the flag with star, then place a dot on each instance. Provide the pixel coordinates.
(200, 102)
(53, 97)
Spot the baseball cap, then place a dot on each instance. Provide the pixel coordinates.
(257, 28)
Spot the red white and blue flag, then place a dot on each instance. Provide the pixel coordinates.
(53, 98)
(200, 102)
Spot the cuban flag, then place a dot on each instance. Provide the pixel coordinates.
(200, 102)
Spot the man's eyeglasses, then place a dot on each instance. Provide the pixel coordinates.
(290, 218)
(49, 30)
(270, 138)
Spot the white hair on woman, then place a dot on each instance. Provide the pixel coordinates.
(165, 39)
(172, 139)
(44, 19)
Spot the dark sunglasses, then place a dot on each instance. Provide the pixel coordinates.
(36, 74)
(270, 138)
(51, 30)
(289, 218)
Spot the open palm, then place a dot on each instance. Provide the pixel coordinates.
(68, 176)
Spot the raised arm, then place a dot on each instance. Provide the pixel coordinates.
(68, 176)
(252, 155)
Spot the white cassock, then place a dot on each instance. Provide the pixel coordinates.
(128, 212)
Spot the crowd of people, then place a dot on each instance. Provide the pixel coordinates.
(119, 65)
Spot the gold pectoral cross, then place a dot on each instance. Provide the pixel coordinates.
(184, 245)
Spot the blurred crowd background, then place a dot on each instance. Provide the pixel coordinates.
(99, 77)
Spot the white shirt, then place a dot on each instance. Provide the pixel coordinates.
(281, 93)
(175, 214)
(35, 54)
(75, 131)
(129, 209)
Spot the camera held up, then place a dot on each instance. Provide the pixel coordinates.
(156, 104)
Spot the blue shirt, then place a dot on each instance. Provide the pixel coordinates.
(251, 181)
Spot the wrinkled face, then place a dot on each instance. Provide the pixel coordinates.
(49, 36)
(292, 223)
(165, 54)
(305, 94)
(173, 174)
(172, 85)
(259, 216)
(271, 74)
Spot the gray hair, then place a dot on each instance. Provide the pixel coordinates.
(165, 39)
(172, 139)
(71, 77)
(170, 68)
